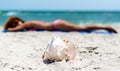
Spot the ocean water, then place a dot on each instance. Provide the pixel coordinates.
(75, 17)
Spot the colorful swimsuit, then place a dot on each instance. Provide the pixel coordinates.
(55, 24)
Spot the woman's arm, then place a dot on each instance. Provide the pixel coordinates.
(20, 27)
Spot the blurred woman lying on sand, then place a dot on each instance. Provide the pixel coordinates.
(16, 24)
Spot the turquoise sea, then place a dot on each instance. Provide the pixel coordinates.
(75, 17)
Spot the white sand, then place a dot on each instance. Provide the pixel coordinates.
(22, 51)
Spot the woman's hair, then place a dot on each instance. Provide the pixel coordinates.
(10, 21)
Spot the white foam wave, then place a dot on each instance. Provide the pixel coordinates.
(11, 13)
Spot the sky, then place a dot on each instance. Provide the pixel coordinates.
(110, 5)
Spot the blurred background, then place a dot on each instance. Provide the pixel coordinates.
(74, 11)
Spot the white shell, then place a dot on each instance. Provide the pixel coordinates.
(59, 49)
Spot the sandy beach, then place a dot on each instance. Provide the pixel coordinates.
(22, 51)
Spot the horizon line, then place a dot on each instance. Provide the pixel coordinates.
(68, 10)
(59, 10)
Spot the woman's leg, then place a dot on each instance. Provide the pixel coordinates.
(64, 25)
(94, 27)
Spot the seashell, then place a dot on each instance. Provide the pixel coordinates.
(58, 49)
